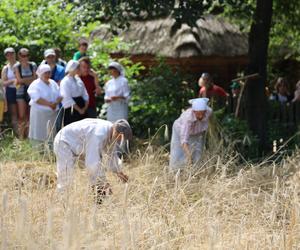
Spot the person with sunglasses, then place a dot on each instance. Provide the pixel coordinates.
(25, 72)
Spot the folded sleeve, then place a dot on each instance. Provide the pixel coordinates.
(34, 92)
(65, 93)
(106, 94)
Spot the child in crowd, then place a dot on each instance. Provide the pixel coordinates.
(82, 50)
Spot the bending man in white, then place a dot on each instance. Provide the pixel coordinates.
(91, 138)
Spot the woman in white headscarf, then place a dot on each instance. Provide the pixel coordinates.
(117, 93)
(188, 134)
(75, 97)
(44, 100)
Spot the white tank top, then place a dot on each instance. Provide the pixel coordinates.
(10, 75)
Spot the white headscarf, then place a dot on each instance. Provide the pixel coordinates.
(118, 67)
(43, 68)
(199, 104)
(71, 66)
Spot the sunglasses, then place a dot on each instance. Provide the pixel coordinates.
(9, 53)
(24, 56)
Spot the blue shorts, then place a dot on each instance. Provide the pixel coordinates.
(11, 95)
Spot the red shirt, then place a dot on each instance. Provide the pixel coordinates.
(89, 83)
(213, 92)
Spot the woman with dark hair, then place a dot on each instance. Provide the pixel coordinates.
(91, 82)
(282, 93)
(82, 49)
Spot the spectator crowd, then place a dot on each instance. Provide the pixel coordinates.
(40, 100)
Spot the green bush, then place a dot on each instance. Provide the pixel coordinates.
(38, 25)
(158, 99)
(236, 132)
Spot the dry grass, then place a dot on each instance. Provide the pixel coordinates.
(218, 206)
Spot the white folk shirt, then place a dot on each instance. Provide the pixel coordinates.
(39, 89)
(72, 87)
(187, 124)
(90, 137)
(117, 87)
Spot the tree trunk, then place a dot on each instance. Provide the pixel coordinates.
(256, 102)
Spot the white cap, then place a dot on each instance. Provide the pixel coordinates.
(43, 68)
(71, 66)
(9, 50)
(49, 52)
(199, 104)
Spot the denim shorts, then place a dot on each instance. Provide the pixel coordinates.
(11, 95)
(21, 93)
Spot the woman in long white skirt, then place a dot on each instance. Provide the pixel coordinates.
(188, 134)
(44, 100)
(117, 93)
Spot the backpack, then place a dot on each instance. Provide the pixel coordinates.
(27, 97)
(20, 69)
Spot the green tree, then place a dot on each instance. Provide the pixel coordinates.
(37, 24)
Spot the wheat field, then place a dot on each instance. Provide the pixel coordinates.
(221, 204)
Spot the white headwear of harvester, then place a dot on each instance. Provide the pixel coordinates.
(199, 104)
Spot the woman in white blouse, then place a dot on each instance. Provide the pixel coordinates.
(44, 100)
(75, 97)
(188, 134)
(117, 93)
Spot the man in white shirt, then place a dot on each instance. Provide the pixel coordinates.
(97, 140)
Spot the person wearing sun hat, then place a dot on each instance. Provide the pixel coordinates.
(188, 134)
(57, 71)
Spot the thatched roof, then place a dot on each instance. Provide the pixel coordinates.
(210, 37)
